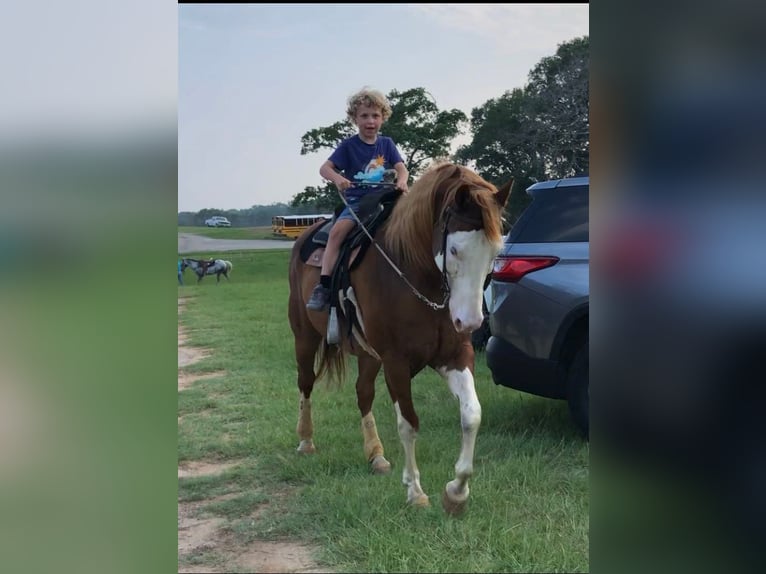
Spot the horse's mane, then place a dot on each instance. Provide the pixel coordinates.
(409, 230)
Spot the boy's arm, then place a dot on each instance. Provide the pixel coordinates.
(401, 176)
(329, 172)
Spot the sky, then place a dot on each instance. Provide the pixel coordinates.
(253, 79)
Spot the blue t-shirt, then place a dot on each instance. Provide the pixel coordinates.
(355, 159)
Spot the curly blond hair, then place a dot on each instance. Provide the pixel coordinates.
(370, 98)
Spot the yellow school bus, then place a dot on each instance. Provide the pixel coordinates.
(293, 225)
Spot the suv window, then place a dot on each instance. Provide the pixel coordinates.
(557, 214)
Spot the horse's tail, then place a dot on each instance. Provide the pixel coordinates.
(331, 360)
(229, 266)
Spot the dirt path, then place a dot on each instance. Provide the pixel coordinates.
(191, 243)
(204, 544)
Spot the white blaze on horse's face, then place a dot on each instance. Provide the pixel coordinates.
(469, 257)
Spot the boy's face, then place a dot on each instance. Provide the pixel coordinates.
(368, 120)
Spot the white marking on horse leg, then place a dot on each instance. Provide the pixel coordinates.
(462, 386)
(372, 444)
(410, 474)
(373, 448)
(305, 427)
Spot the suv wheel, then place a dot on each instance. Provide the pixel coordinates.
(578, 392)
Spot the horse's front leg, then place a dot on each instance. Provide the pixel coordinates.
(461, 384)
(365, 395)
(398, 379)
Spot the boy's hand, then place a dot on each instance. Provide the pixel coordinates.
(342, 184)
(401, 185)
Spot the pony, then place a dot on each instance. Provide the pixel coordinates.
(204, 267)
(416, 296)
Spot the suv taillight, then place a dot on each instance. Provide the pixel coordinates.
(511, 269)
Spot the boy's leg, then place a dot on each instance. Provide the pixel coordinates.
(320, 297)
(337, 235)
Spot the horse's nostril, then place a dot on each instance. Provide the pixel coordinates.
(462, 326)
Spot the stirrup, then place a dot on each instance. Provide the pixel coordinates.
(333, 330)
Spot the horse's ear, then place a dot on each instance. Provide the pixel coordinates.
(504, 193)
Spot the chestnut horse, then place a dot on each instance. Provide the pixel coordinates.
(418, 296)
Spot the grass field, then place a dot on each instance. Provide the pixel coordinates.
(529, 505)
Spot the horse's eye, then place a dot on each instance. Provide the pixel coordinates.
(453, 250)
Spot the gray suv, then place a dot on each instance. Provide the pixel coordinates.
(538, 304)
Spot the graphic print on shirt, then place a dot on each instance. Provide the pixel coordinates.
(373, 173)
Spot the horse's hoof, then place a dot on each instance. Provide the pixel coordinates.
(380, 465)
(306, 447)
(420, 501)
(453, 507)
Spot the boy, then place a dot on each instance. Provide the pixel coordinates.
(355, 159)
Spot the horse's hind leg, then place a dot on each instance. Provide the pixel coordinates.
(305, 349)
(365, 395)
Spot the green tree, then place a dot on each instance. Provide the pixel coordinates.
(500, 147)
(560, 112)
(327, 137)
(539, 132)
(323, 198)
(421, 131)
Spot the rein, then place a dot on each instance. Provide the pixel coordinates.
(418, 294)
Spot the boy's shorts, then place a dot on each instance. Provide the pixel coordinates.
(353, 202)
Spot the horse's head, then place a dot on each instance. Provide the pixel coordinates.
(452, 217)
(466, 241)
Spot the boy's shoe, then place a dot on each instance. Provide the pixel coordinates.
(320, 297)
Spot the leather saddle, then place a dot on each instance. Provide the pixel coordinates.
(374, 209)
